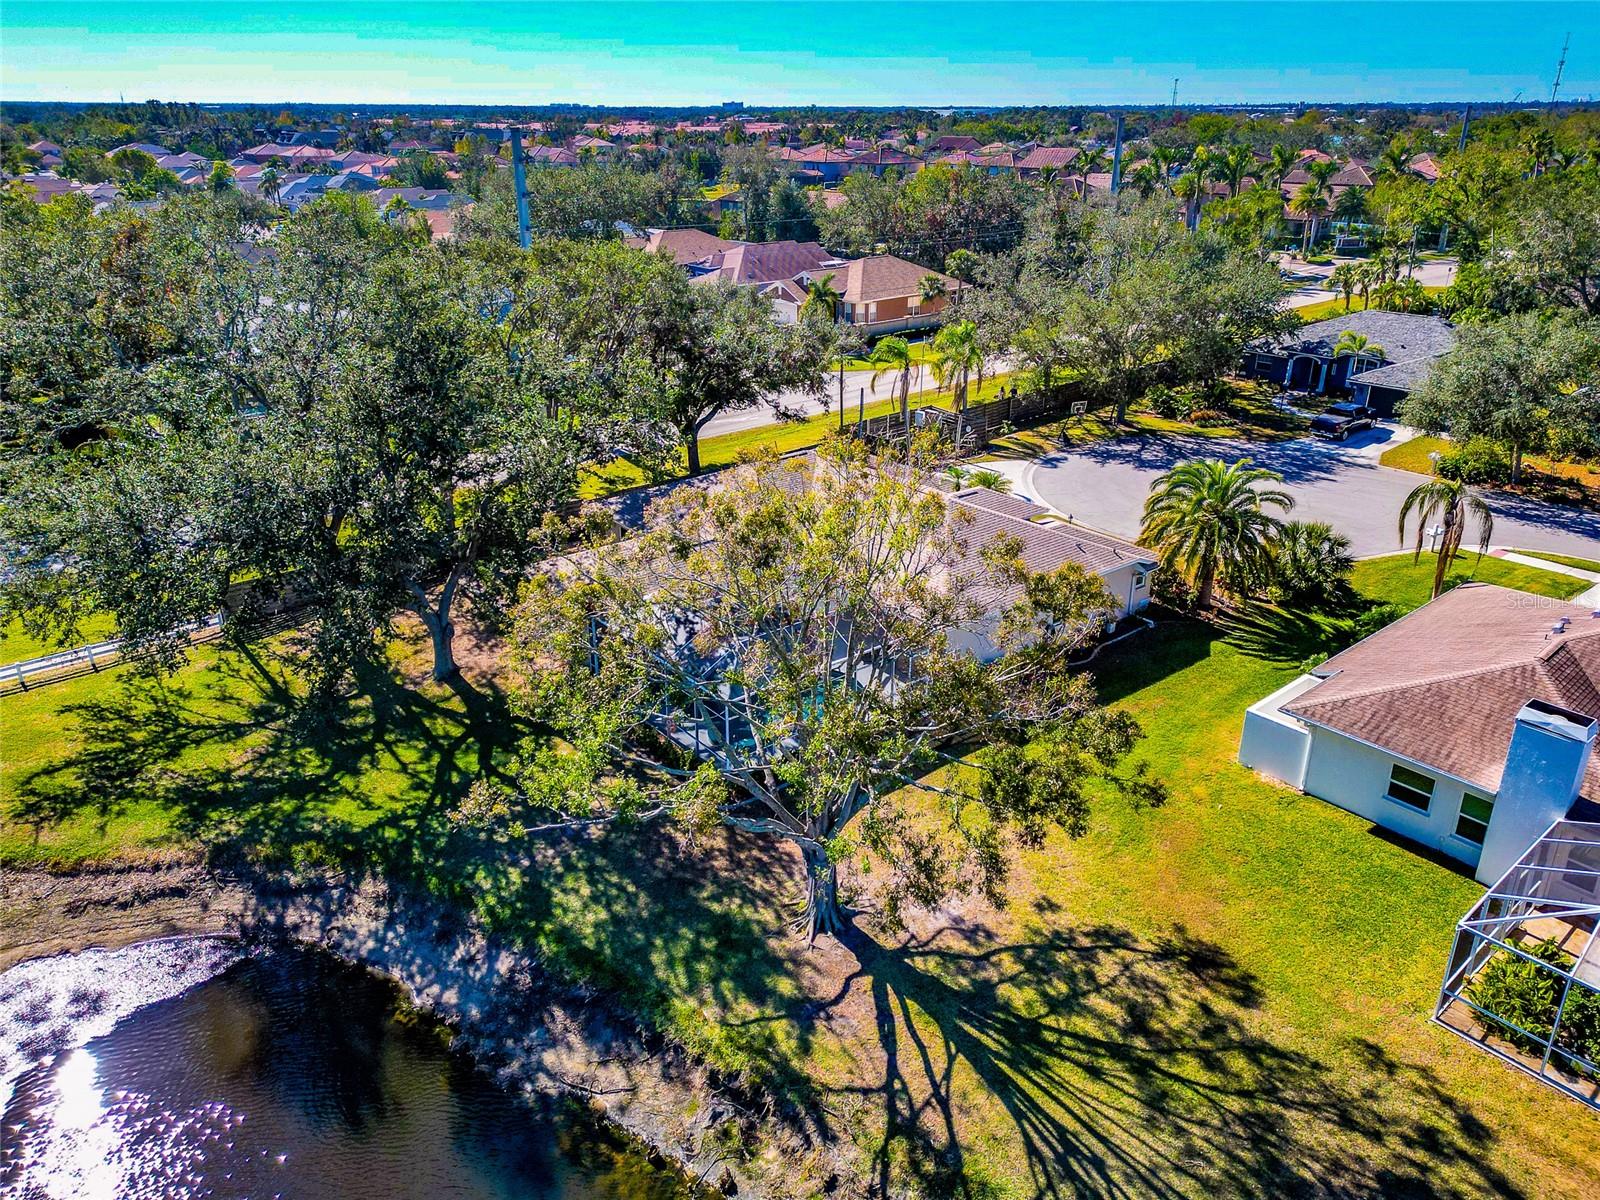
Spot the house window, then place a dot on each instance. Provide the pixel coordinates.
(1138, 580)
(1411, 788)
(1473, 822)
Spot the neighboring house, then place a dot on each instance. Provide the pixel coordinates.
(952, 142)
(689, 248)
(1466, 726)
(594, 145)
(1057, 157)
(149, 148)
(44, 148)
(1354, 174)
(1048, 542)
(883, 294)
(883, 158)
(1304, 360)
(829, 163)
(768, 262)
(550, 156)
(1003, 162)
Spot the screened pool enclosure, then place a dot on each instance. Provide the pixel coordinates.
(1524, 974)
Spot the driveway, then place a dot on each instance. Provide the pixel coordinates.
(1104, 485)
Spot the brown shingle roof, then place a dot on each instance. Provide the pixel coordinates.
(1049, 156)
(883, 277)
(1442, 686)
(685, 245)
(762, 262)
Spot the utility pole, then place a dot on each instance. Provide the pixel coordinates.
(1466, 120)
(1174, 92)
(519, 180)
(1561, 66)
(1116, 160)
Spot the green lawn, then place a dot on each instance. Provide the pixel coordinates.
(18, 645)
(921, 352)
(1545, 478)
(1396, 579)
(1223, 995)
(1566, 560)
(1324, 309)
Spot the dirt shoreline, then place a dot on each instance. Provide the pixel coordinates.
(532, 1033)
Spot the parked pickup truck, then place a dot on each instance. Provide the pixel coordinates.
(1341, 420)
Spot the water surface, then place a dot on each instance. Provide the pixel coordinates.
(189, 1069)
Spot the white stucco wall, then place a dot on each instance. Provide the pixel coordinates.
(1273, 743)
(1355, 776)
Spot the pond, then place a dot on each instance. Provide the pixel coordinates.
(190, 1068)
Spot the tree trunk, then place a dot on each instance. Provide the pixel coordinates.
(691, 445)
(1208, 584)
(441, 629)
(1516, 464)
(823, 915)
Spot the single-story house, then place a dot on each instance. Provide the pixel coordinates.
(885, 158)
(1467, 726)
(946, 143)
(1057, 158)
(150, 148)
(883, 294)
(983, 516)
(1404, 348)
(550, 156)
(689, 247)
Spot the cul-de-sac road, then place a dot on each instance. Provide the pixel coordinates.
(1104, 485)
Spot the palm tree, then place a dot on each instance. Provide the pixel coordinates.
(1190, 187)
(1283, 161)
(1357, 345)
(1350, 206)
(1089, 161)
(986, 477)
(822, 296)
(1311, 201)
(270, 182)
(962, 265)
(1368, 275)
(1163, 158)
(1345, 278)
(956, 355)
(1145, 179)
(1208, 521)
(1232, 167)
(931, 287)
(1395, 161)
(1538, 145)
(1452, 503)
(890, 356)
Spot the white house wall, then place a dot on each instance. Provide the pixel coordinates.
(1273, 743)
(1355, 776)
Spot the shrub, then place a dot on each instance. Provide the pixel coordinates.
(1311, 565)
(1167, 402)
(1476, 461)
(1522, 994)
(985, 478)
(1208, 418)
(1580, 1024)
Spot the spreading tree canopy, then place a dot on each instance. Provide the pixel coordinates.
(787, 651)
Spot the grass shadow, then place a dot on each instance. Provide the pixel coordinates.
(1129, 1068)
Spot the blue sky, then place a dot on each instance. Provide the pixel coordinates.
(928, 53)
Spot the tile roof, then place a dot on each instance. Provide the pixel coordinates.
(1049, 156)
(1442, 685)
(685, 245)
(763, 262)
(883, 277)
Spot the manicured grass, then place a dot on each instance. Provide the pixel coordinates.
(1324, 309)
(18, 645)
(1223, 995)
(921, 352)
(1566, 560)
(1398, 580)
(1545, 478)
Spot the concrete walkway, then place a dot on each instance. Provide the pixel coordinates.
(1589, 598)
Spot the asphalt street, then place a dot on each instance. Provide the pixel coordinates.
(1104, 485)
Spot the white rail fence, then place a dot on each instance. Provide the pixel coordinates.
(67, 664)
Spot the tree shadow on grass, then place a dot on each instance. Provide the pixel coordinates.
(1128, 1068)
(1283, 636)
(276, 790)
